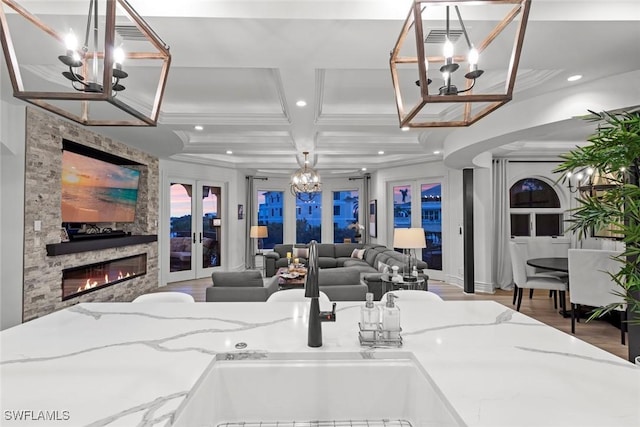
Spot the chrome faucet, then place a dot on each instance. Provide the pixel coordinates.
(312, 290)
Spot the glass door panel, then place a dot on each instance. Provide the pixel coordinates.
(181, 230)
(211, 234)
(402, 206)
(431, 218)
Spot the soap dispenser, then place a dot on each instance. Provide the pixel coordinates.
(369, 318)
(391, 318)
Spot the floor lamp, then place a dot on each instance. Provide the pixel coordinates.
(407, 239)
(259, 232)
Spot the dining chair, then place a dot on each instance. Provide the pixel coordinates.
(524, 279)
(295, 295)
(413, 295)
(592, 285)
(164, 297)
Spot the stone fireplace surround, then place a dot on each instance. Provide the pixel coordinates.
(42, 291)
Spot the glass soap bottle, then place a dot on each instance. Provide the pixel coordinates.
(369, 318)
(391, 318)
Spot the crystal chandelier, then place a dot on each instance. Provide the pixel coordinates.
(305, 182)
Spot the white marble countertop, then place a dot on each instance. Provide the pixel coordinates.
(122, 364)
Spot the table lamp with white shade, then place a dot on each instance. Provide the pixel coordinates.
(407, 239)
(258, 232)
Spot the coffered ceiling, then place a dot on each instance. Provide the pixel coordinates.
(239, 67)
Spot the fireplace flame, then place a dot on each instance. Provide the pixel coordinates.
(87, 285)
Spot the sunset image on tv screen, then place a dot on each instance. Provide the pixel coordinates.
(95, 191)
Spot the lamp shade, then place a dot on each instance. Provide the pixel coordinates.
(258, 232)
(409, 238)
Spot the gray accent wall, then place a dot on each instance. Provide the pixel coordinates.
(42, 185)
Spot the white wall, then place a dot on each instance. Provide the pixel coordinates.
(12, 161)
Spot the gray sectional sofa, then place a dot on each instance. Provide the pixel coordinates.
(339, 255)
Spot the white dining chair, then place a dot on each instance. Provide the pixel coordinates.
(164, 297)
(524, 279)
(294, 295)
(413, 295)
(298, 295)
(592, 285)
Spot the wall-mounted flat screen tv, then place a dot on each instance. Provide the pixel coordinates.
(95, 190)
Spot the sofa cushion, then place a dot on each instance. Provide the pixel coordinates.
(300, 252)
(248, 279)
(370, 256)
(344, 250)
(326, 250)
(358, 253)
(282, 249)
(339, 276)
(327, 262)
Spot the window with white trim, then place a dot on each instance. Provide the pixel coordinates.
(535, 209)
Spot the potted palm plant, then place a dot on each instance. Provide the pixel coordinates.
(614, 153)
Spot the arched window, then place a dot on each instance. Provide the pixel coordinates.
(535, 209)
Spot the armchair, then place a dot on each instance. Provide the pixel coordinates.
(234, 286)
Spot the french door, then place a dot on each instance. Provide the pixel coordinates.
(418, 204)
(196, 229)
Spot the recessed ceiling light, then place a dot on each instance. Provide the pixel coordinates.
(381, 152)
(301, 103)
(574, 78)
(436, 152)
(364, 169)
(198, 127)
(405, 128)
(229, 152)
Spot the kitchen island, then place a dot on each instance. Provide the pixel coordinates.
(122, 364)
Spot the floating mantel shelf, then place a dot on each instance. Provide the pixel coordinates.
(65, 248)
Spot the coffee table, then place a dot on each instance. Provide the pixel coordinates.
(285, 279)
(389, 285)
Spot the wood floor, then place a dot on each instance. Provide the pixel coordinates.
(599, 333)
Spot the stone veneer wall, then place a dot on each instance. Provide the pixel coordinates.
(43, 188)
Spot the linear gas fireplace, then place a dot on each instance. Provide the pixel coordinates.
(78, 281)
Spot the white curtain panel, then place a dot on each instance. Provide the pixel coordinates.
(502, 274)
(250, 219)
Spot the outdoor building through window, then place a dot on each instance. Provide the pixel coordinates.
(309, 219)
(345, 216)
(535, 209)
(270, 214)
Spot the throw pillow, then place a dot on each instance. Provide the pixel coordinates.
(382, 267)
(300, 252)
(357, 253)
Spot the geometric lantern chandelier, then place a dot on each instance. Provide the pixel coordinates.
(305, 182)
(456, 61)
(97, 63)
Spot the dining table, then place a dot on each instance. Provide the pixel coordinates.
(552, 264)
